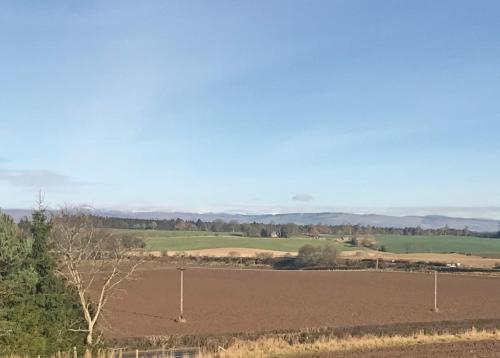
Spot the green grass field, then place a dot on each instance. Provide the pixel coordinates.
(163, 240)
(437, 244)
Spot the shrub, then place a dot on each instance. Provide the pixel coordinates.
(310, 256)
(264, 256)
(368, 242)
(132, 242)
(329, 255)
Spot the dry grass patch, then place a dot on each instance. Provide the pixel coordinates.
(278, 347)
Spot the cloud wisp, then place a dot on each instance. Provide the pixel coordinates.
(37, 179)
(303, 197)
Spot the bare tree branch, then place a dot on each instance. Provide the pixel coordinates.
(92, 261)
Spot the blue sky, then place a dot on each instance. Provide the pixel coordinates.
(259, 106)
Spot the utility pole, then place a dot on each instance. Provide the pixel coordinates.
(436, 309)
(181, 318)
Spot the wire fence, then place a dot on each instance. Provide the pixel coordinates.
(185, 352)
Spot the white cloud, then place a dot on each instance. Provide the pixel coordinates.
(303, 197)
(37, 179)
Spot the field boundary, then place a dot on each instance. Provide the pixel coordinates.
(272, 347)
(473, 272)
(212, 342)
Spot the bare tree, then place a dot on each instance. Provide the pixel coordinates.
(92, 260)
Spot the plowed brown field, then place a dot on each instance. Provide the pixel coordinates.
(223, 301)
(480, 349)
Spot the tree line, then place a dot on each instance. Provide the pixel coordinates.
(278, 230)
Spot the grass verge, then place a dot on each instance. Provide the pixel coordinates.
(278, 347)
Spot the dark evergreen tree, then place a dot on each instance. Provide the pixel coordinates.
(19, 313)
(37, 311)
(59, 307)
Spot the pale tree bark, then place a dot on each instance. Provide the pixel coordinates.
(92, 260)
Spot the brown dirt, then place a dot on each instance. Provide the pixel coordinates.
(222, 301)
(478, 349)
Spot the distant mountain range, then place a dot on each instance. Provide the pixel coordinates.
(327, 218)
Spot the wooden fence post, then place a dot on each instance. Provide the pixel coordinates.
(436, 309)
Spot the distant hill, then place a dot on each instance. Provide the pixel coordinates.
(327, 218)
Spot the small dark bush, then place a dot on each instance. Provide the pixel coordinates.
(132, 242)
(310, 256)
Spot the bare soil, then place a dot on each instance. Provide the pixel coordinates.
(477, 349)
(224, 301)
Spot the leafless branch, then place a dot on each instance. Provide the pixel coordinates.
(92, 260)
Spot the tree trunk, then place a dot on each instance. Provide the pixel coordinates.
(89, 340)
